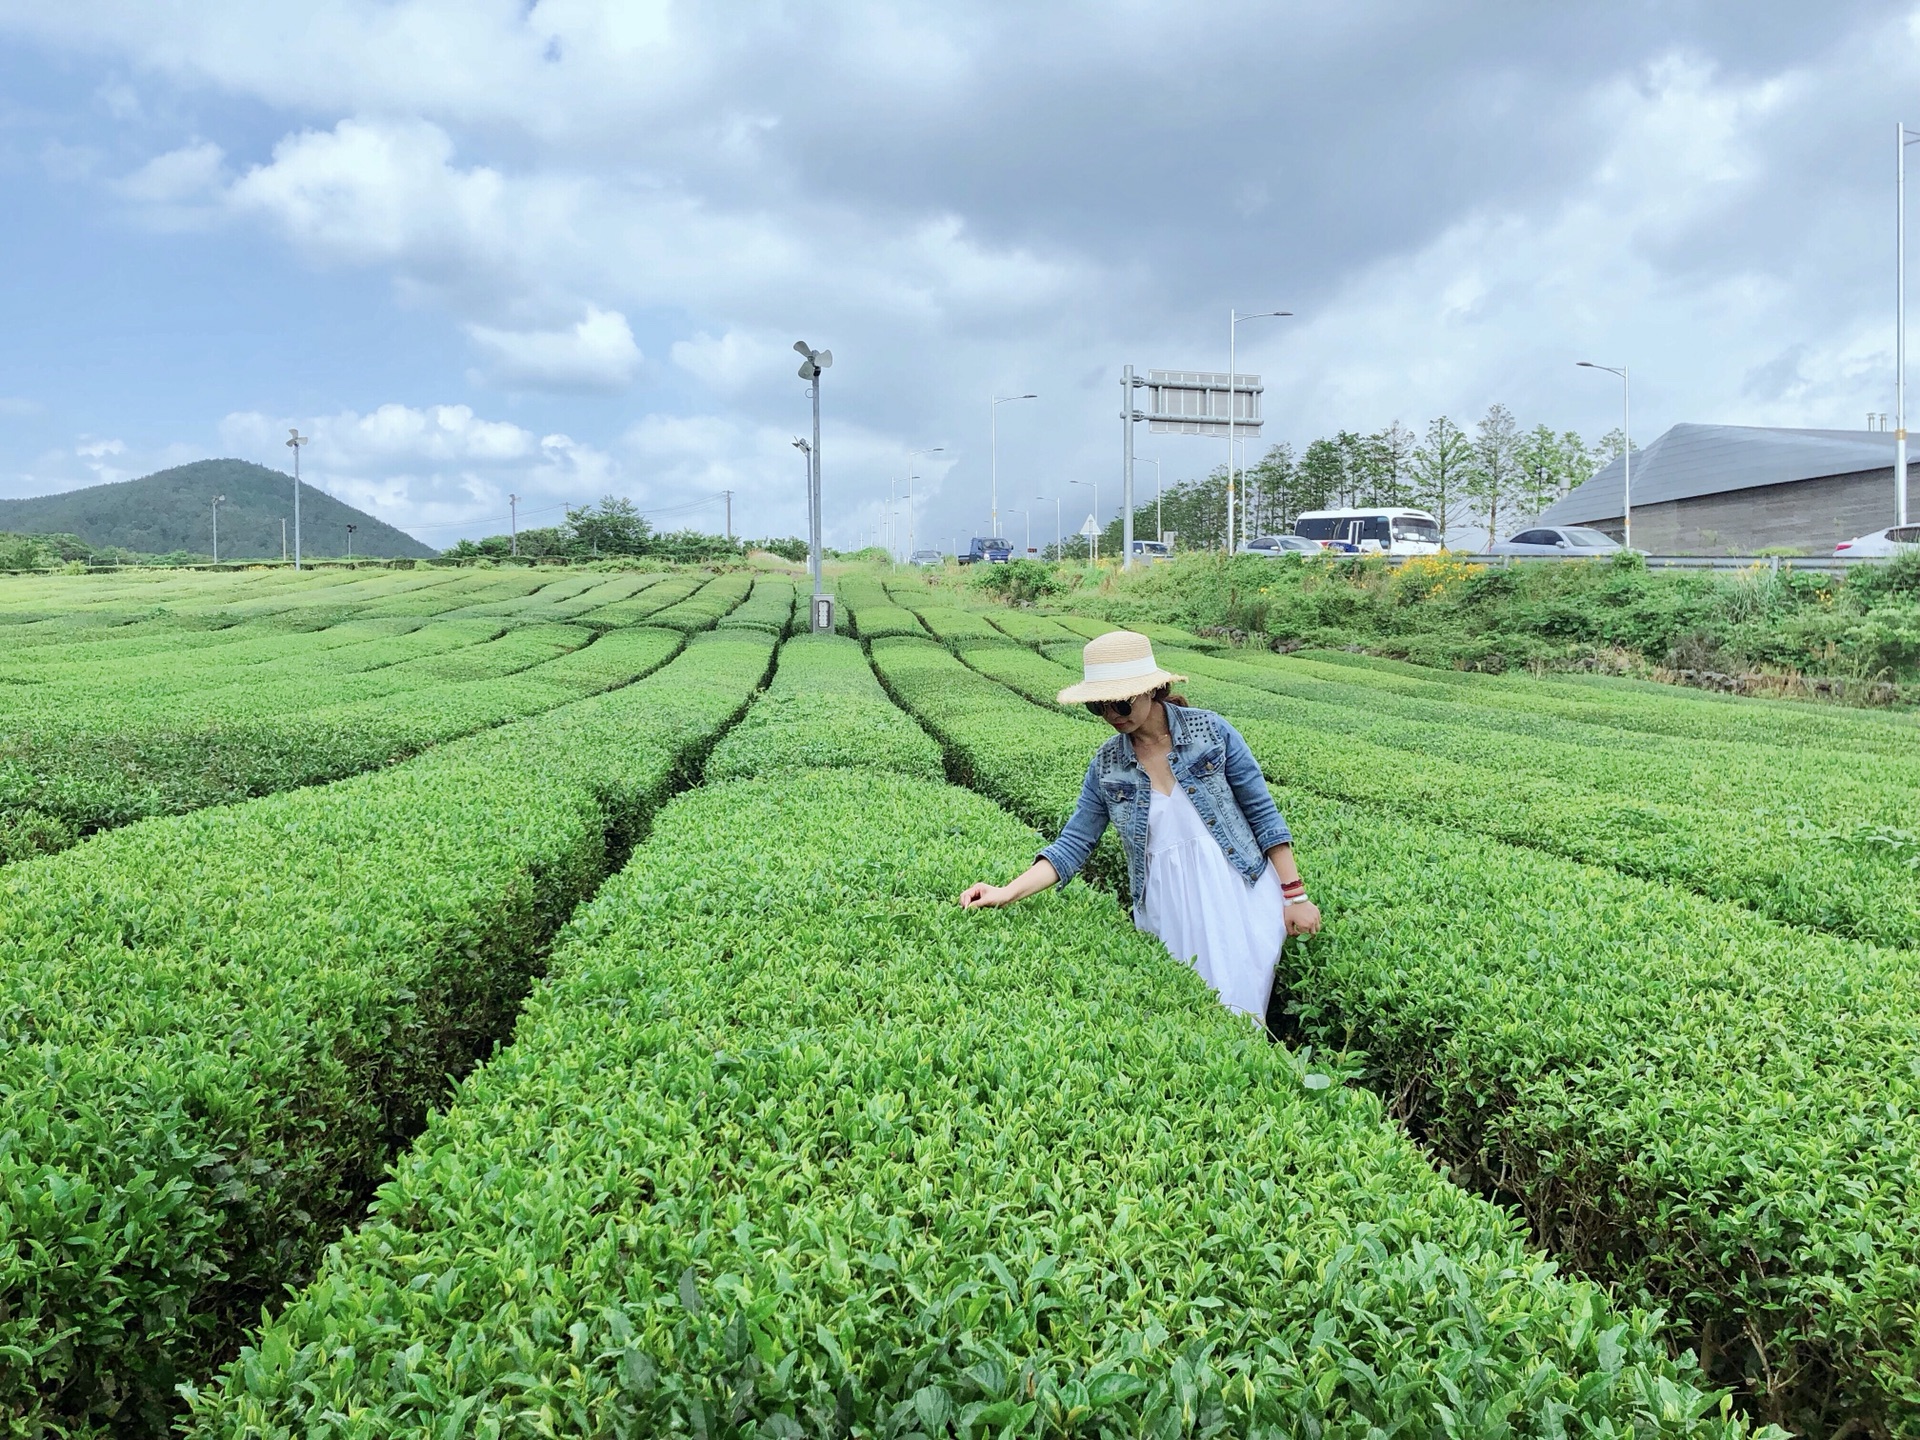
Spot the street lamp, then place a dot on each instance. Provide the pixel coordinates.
(811, 364)
(1907, 137)
(350, 530)
(1626, 449)
(1026, 547)
(294, 442)
(1093, 540)
(911, 456)
(1059, 548)
(1234, 317)
(993, 450)
(218, 501)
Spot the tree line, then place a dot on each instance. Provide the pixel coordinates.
(616, 527)
(1495, 477)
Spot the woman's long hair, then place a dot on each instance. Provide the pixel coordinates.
(1166, 696)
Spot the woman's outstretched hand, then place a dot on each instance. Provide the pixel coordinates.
(986, 897)
(1303, 918)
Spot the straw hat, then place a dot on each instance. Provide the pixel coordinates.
(1118, 666)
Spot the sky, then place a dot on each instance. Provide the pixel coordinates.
(562, 249)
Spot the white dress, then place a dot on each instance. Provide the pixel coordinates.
(1204, 912)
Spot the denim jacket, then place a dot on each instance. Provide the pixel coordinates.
(1211, 763)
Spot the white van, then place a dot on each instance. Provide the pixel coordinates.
(1383, 530)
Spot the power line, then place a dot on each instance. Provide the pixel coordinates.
(715, 498)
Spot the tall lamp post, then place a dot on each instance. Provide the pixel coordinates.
(294, 442)
(218, 501)
(811, 364)
(1093, 540)
(912, 455)
(993, 451)
(1059, 549)
(1026, 524)
(350, 530)
(1234, 317)
(1626, 448)
(1906, 137)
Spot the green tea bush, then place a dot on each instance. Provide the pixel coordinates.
(1684, 1098)
(790, 1145)
(707, 605)
(220, 1026)
(824, 710)
(962, 627)
(92, 761)
(768, 608)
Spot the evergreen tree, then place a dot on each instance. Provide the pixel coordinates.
(1494, 477)
(1439, 471)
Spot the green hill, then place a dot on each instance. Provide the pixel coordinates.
(172, 510)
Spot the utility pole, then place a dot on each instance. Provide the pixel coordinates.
(216, 527)
(513, 522)
(350, 530)
(1059, 540)
(729, 495)
(294, 442)
(283, 539)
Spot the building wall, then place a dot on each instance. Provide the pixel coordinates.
(1812, 515)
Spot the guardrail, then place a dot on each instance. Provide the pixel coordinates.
(1819, 564)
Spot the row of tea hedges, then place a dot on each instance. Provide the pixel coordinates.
(1682, 1096)
(219, 1027)
(790, 1145)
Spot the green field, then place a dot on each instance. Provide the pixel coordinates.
(454, 1002)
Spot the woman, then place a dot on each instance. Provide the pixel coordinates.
(1209, 858)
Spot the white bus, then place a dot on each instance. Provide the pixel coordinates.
(1371, 530)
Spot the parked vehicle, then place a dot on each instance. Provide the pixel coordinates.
(926, 557)
(1281, 545)
(1573, 541)
(1879, 544)
(990, 548)
(1152, 550)
(1372, 530)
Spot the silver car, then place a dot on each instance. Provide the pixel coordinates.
(927, 557)
(1572, 541)
(1280, 545)
(1880, 544)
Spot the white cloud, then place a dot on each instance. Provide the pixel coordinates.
(597, 353)
(731, 362)
(99, 449)
(191, 173)
(439, 470)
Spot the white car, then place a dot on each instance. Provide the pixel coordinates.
(1280, 545)
(1879, 544)
(1573, 541)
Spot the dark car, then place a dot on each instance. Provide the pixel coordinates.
(990, 548)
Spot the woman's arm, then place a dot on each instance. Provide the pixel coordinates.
(1060, 861)
(1303, 916)
(1251, 795)
(1038, 877)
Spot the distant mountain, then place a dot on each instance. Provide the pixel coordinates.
(173, 510)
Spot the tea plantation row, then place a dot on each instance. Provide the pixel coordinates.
(787, 1144)
(218, 1027)
(1681, 1095)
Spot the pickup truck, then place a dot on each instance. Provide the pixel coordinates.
(990, 548)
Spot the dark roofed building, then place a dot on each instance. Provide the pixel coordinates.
(1735, 489)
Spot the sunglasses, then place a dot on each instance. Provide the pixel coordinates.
(1122, 708)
